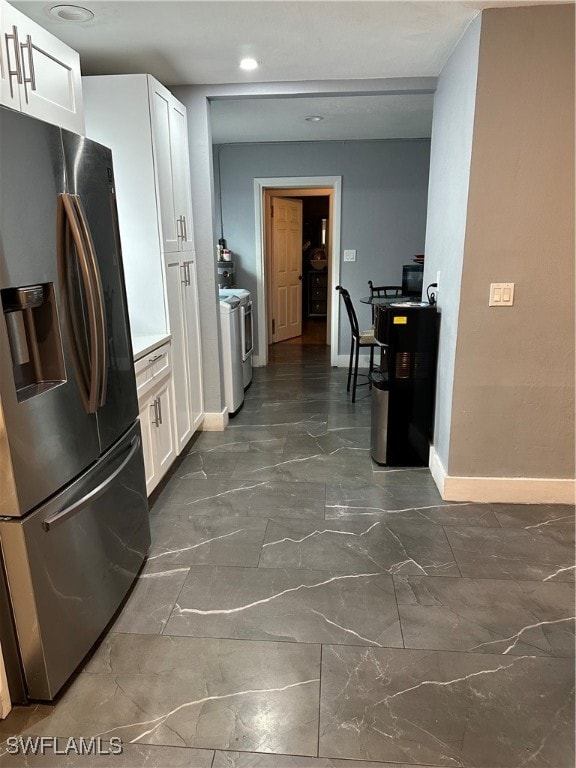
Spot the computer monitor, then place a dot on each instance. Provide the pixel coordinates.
(412, 275)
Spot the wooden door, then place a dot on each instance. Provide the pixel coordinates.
(286, 268)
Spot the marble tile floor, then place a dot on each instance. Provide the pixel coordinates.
(302, 607)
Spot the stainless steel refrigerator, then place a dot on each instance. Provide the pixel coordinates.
(74, 525)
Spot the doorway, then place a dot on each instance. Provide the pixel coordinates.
(319, 199)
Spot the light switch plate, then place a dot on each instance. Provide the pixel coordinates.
(349, 255)
(501, 295)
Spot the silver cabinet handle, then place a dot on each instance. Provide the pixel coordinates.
(156, 357)
(184, 279)
(155, 420)
(187, 264)
(18, 71)
(185, 228)
(159, 401)
(180, 228)
(32, 78)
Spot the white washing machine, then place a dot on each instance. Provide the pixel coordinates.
(246, 329)
(230, 338)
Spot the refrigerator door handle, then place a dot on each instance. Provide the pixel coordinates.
(69, 229)
(65, 514)
(98, 293)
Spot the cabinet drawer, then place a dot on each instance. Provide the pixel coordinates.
(318, 308)
(151, 368)
(318, 294)
(320, 281)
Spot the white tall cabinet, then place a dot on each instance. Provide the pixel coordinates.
(145, 126)
(39, 74)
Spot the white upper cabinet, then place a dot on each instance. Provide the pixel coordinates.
(39, 74)
(169, 130)
(145, 126)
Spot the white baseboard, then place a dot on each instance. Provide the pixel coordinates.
(437, 470)
(215, 422)
(342, 361)
(504, 490)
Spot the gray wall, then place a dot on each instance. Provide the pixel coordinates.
(384, 197)
(450, 157)
(513, 405)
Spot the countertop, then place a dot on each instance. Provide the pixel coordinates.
(143, 345)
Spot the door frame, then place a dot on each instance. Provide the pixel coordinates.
(331, 184)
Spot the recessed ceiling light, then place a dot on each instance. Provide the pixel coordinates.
(248, 64)
(71, 13)
(314, 118)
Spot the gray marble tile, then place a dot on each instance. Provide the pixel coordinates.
(358, 547)
(489, 553)
(410, 495)
(287, 604)
(214, 539)
(377, 503)
(253, 760)
(280, 413)
(247, 439)
(251, 497)
(402, 476)
(23, 718)
(197, 465)
(181, 691)
(535, 516)
(446, 709)
(487, 616)
(354, 467)
(152, 599)
(132, 756)
(338, 443)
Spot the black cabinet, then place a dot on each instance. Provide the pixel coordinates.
(317, 294)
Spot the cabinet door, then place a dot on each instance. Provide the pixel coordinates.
(52, 87)
(160, 111)
(193, 346)
(147, 415)
(176, 284)
(181, 175)
(9, 56)
(164, 447)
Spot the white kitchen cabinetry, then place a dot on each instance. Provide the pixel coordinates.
(155, 403)
(146, 128)
(170, 136)
(39, 74)
(182, 292)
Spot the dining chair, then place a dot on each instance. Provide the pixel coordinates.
(359, 339)
(383, 291)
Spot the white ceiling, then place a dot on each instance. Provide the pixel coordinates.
(201, 42)
(345, 117)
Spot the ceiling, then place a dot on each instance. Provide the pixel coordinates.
(201, 42)
(344, 117)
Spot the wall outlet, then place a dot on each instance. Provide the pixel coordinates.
(501, 295)
(349, 255)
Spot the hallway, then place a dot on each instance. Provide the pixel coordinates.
(302, 601)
